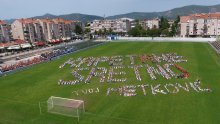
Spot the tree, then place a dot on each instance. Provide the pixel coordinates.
(205, 27)
(78, 30)
(87, 30)
(175, 27)
(165, 32)
(96, 33)
(177, 20)
(87, 24)
(164, 23)
(153, 32)
(105, 31)
(137, 21)
(173, 30)
(100, 32)
(154, 27)
(90, 36)
(134, 32)
(137, 31)
(110, 31)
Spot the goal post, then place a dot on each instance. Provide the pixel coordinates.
(218, 38)
(65, 106)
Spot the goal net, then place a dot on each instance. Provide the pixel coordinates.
(65, 106)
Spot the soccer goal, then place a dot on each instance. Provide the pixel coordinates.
(65, 106)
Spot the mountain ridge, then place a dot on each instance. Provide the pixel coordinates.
(170, 14)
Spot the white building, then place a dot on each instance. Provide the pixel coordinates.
(150, 24)
(33, 30)
(4, 32)
(27, 30)
(205, 25)
(118, 25)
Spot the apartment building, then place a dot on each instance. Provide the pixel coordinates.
(50, 29)
(122, 25)
(33, 30)
(4, 32)
(118, 25)
(171, 23)
(66, 27)
(150, 24)
(203, 25)
(97, 25)
(27, 30)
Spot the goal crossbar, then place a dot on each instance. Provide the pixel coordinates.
(71, 103)
(65, 106)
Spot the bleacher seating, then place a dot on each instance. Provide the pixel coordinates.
(45, 56)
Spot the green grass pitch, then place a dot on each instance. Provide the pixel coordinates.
(21, 92)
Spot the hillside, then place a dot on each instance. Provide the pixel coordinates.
(170, 14)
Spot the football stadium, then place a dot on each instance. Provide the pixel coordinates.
(116, 82)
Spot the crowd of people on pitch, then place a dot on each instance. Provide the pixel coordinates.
(136, 71)
(132, 60)
(127, 90)
(98, 72)
(163, 72)
(115, 73)
(71, 82)
(117, 62)
(166, 72)
(167, 88)
(167, 68)
(151, 70)
(168, 57)
(95, 72)
(102, 74)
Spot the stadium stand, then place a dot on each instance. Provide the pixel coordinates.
(45, 56)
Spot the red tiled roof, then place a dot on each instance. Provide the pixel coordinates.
(46, 20)
(60, 20)
(200, 16)
(215, 15)
(2, 22)
(26, 21)
(205, 16)
(56, 20)
(184, 19)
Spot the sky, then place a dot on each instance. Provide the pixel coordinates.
(28, 8)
